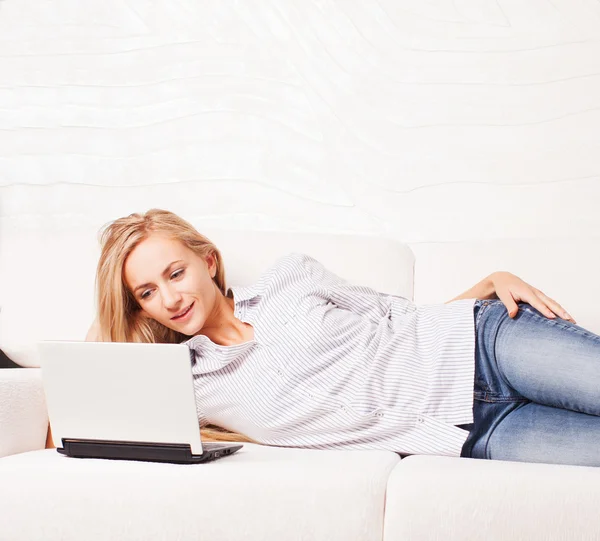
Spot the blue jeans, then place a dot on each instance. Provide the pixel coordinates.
(537, 388)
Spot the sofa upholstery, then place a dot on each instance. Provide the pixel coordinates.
(440, 497)
(23, 414)
(256, 494)
(261, 492)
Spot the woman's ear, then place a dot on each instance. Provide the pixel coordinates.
(211, 262)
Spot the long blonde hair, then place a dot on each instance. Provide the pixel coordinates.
(119, 314)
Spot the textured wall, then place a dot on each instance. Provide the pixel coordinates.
(432, 121)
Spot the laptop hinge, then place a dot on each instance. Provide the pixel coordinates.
(126, 450)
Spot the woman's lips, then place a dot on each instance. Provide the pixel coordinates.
(187, 315)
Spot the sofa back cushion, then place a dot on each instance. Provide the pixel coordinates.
(566, 269)
(47, 274)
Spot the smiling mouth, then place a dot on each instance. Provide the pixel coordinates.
(185, 313)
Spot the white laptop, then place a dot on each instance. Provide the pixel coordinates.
(129, 401)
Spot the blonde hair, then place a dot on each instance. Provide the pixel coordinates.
(119, 317)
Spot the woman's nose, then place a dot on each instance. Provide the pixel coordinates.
(171, 298)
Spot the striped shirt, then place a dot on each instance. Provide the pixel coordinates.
(339, 366)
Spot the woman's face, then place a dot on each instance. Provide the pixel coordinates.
(166, 278)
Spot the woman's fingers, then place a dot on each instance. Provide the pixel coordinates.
(508, 301)
(553, 305)
(530, 297)
(541, 306)
(510, 289)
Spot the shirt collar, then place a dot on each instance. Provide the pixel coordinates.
(244, 293)
(213, 356)
(206, 356)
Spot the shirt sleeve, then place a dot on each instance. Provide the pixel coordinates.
(362, 300)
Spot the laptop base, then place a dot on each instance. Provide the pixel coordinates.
(148, 452)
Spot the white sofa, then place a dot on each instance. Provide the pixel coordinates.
(267, 493)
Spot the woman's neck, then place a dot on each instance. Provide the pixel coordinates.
(228, 330)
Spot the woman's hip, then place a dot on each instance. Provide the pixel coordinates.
(529, 358)
(549, 361)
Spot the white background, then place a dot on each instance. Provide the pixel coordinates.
(469, 129)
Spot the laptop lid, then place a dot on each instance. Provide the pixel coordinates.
(120, 391)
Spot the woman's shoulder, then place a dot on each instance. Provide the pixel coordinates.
(291, 267)
(293, 261)
(282, 274)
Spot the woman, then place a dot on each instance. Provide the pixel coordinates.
(302, 358)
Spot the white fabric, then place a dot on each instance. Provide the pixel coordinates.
(335, 365)
(453, 499)
(66, 310)
(259, 493)
(23, 414)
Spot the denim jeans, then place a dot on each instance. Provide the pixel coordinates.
(537, 388)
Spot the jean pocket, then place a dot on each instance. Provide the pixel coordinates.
(482, 386)
(482, 305)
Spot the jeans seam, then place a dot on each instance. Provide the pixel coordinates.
(482, 308)
(495, 356)
(493, 398)
(493, 429)
(559, 323)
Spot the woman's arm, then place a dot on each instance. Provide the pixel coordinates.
(510, 289)
(49, 442)
(482, 290)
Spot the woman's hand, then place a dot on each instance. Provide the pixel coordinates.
(510, 289)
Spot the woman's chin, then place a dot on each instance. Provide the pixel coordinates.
(191, 329)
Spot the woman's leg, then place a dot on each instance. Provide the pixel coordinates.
(550, 361)
(537, 389)
(537, 433)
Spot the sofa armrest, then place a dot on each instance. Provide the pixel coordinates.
(23, 413)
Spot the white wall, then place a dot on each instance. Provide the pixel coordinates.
(454, 125)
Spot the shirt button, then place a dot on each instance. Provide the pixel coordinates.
(420, 420)
(379, 414)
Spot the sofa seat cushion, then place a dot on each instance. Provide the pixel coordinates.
(451, 498)
(260, 493)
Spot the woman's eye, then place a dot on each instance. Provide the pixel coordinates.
(174, 275)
